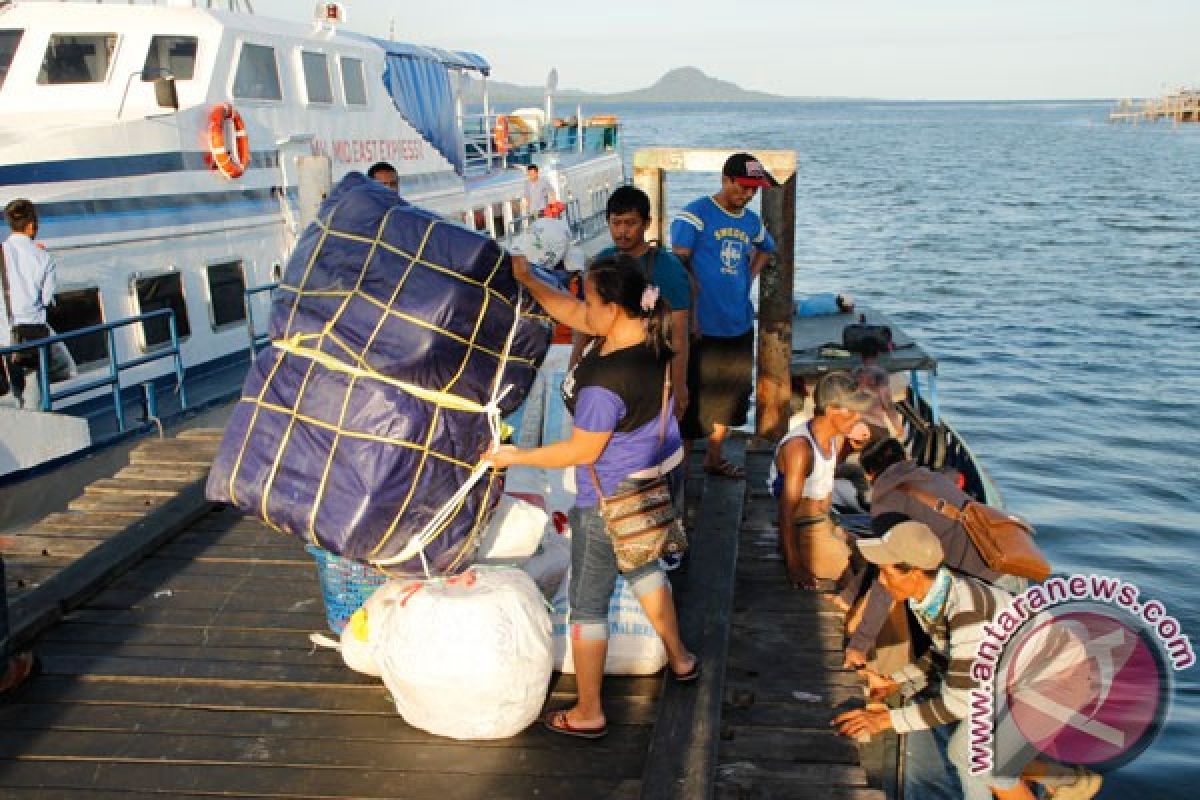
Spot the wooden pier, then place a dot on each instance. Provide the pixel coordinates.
(174, 636)
(1181, 106)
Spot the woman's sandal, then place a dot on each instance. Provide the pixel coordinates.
(19, 670)
(725, 469)
(691, 675)
(558, 722)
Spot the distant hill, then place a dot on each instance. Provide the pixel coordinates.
(682, 85)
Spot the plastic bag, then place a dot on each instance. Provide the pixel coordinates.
(516, 530)
(633, 645)
(469, 657)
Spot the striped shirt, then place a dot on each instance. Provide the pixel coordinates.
(955, 633)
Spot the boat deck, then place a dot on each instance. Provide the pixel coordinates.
(174, 637)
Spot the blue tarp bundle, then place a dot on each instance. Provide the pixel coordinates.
(356, 426)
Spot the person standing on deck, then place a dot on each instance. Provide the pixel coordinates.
(628, 217)
(385, 173)
(29, 280)
(538, 192)
(725, 245)
(621, 431)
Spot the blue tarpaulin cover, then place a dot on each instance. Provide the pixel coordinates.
(362, 418)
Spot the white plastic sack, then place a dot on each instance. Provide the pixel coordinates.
(550, 564)
(515, 531)
(467, 658)
(633, 645)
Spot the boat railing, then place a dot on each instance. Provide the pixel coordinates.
(115, 364)
(257, 340)
(577, 134)
(480, 155)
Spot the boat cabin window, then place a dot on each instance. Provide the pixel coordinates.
(316, 77)
(354, 82)
(9, 39)
(161, 291)
(257, 76)
(74, 309)
(77, 58)
(175, 54)
(227, 292)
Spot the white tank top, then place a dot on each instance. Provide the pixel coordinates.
(819, 483)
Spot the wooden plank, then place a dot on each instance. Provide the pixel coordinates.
(71, 521)
(284, 781)
(201, 434)
(75, 583)
(628, 723)
(113, 503)
(136, 487)
(172, 454)
(183, 473)
(58, 547)
(616, 756)
(681, 762)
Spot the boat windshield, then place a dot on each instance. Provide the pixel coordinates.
(9, 39)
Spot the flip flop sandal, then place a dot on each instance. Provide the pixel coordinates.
(726, 469)
(21, 669)
(687, 677)
(557, 721)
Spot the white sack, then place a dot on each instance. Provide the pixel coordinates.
(515, 531)
(633, 645)
(467, 658)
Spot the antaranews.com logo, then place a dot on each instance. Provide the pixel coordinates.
(1078, 669)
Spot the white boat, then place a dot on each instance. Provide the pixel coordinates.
(108, 113)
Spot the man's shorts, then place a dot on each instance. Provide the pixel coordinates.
(720, 378)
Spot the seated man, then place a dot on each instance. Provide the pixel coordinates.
(893, 477)
(802, 477)
(953, 610)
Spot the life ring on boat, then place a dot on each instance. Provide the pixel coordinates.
(232, 165)
(500, 134)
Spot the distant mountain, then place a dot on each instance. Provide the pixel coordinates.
(682, 85)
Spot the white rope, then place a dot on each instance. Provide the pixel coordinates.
(422, 539)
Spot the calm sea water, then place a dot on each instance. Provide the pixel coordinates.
(1051, 261)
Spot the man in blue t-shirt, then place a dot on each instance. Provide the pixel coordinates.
(726, 246)
(628, 215)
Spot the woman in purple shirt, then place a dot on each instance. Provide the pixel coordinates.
(615, 394)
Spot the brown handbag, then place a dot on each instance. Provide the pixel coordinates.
(1005, 541)
(641, 521)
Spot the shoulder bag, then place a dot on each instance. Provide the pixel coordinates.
(641, 521)
(1005, 541)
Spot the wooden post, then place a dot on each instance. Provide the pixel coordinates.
(653, 181)
(773, 394)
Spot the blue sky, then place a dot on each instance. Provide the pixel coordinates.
(927, 49)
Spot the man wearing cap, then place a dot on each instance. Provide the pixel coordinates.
(726, 246)
(952, 609)
(802, 476)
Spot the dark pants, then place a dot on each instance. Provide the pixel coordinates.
(17, 363)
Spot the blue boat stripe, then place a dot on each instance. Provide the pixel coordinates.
(90, 169)
(159, 203)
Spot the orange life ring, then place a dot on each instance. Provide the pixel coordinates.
(500, 134)
(231, 165)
